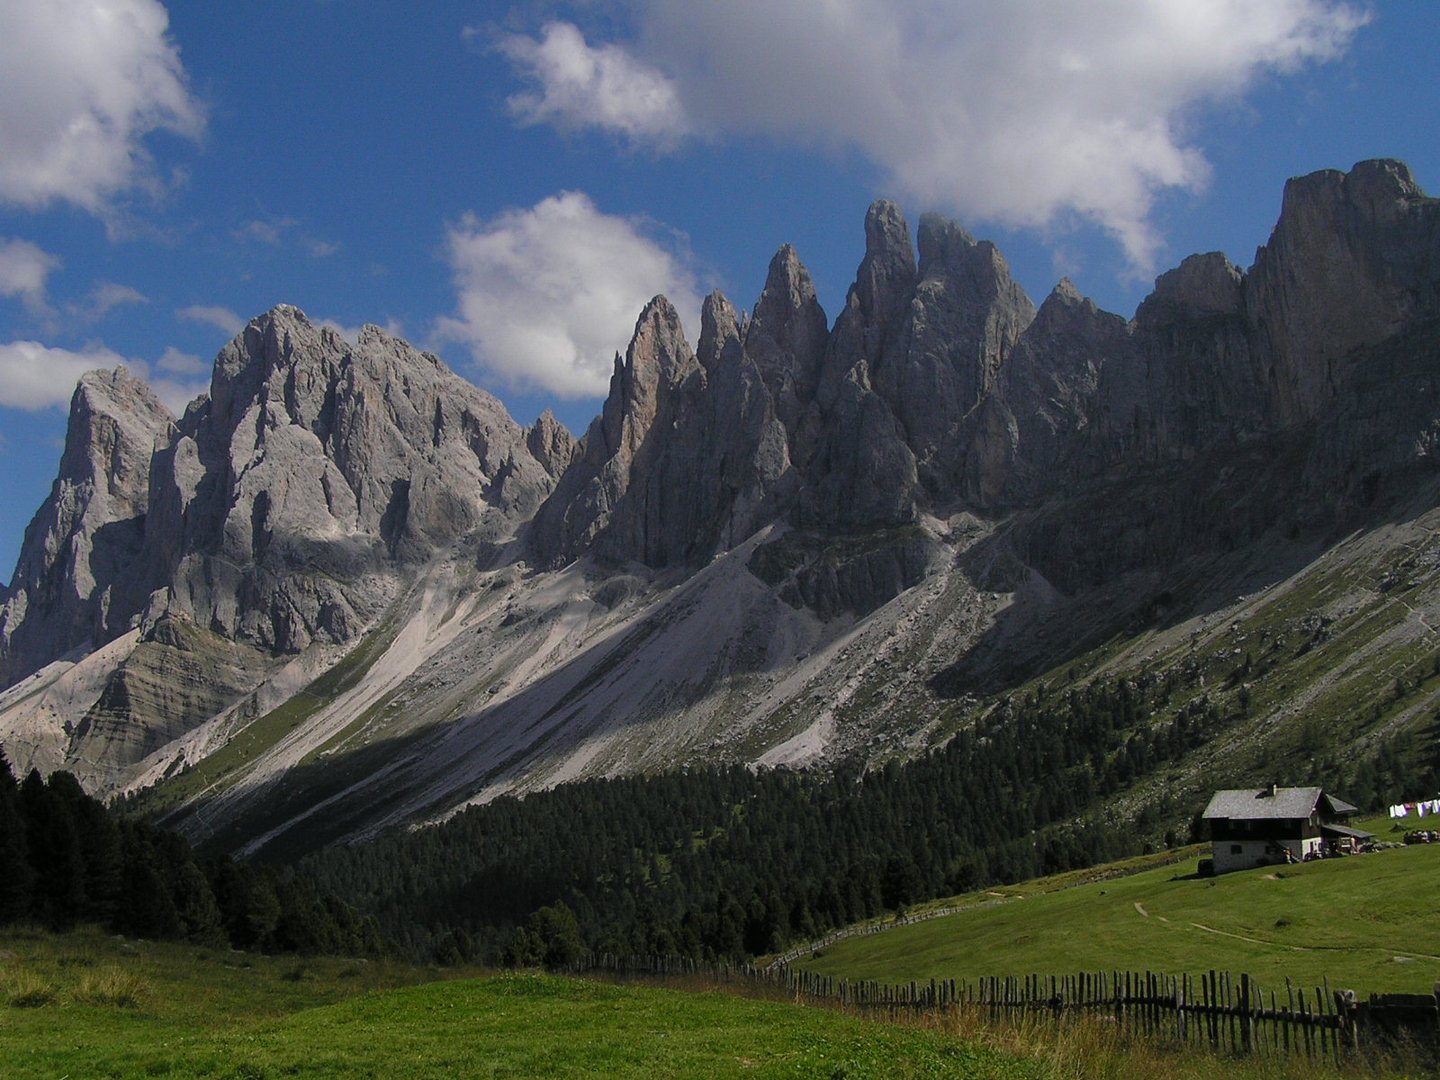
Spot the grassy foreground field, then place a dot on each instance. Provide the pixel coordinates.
(1366, 923)
(89, 1006)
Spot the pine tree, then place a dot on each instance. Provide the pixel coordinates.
(16, 873)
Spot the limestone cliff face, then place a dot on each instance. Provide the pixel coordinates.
(1353, 258)
(288, 504)
(940, 388)
(285, 510)
(937, 471)
(964, 318)
(644, 388)
(73, 583)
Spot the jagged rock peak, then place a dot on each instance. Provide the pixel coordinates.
(115, 422)
(1351, 259)
(788, 287)
(720, 331)
(942, 241)
(279, 335)
(975, 269)
(116, 384)
(788, 330)
(659, 345)
(551, 444)
(1378, 188)
(887, 272)
(1065, 292)
(1064, 304)
(283, 342)
(77, 553)
(1208, 284)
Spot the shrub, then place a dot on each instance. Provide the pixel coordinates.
(27, 990)
(112, 986)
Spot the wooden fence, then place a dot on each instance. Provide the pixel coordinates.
(1231, 1014)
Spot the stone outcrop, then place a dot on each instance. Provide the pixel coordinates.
(1352, 259)
(287, 502)
(72, 585)
(286, 509)
(940, 387)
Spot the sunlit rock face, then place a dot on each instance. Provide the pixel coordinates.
(935, 491)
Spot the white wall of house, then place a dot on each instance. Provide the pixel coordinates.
(1245, 854)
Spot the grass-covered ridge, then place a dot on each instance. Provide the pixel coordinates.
(1365, 923)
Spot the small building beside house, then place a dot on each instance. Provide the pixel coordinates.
(1252, 827)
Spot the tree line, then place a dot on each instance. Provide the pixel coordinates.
(724, 862)
(65, 859)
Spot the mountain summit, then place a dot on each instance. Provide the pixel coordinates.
(795, 541)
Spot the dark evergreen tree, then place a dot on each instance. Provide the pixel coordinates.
(16, 873)
(53, 843)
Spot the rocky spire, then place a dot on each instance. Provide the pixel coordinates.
(75, 581)
(282, 507)
(1352, 257)
(643, 390)
(720, 333)
(551, 444)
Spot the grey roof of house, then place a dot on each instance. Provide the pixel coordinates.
(1253, 803)
(1345, 830)
(1340, 807)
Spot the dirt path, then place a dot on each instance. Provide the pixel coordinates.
(1252, 940)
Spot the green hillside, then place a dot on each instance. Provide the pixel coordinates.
(1367, 923)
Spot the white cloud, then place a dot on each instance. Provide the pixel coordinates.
(35, 376)
(548, 295)
(277, 232)
(265, 232)
(104, 297)
(583, 86)
(222, 318)
(175, 362)
(82, 83)
(24, 269)
(175, 393)
(1016, 112)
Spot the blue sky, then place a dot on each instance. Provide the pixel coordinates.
(507, 183)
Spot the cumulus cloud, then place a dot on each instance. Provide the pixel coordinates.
(105, 297)
(578, 85)
(222, 318)
(1017, 112)
(548, 295)
(82, 84)
(24, 269)
(35, 376)
(174, 391)
(175, 362)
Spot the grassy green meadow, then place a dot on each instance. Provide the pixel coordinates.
(89, 1006)
(1366, 923)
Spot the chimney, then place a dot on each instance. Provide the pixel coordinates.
(1270, 791)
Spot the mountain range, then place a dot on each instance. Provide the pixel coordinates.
(346, 590)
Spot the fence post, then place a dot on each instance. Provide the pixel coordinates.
(1247, 1019)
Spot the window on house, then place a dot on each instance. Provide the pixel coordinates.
(1234, 849)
